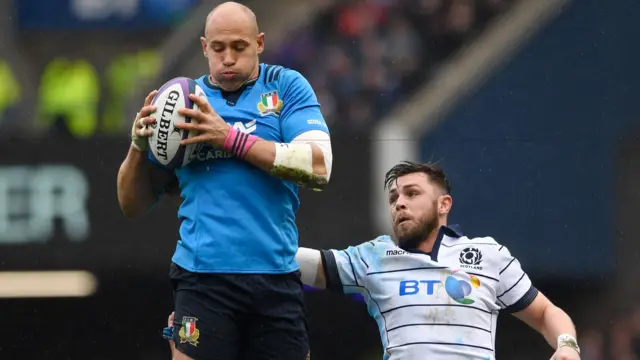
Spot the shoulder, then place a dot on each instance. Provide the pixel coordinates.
(482, 242)
(274, 73)
(371, 247)
(280, 74)
(476, 252)
(382, 241)
(486, 244)
(201, 79)
(286, 79)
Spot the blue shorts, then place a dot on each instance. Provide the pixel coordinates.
(239, 316)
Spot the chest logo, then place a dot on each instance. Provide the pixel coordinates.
(247, 128)
(459, 290)
(270, 104)
(471, 258)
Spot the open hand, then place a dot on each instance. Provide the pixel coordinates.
(209, 126)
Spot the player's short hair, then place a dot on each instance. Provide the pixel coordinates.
(433, 171)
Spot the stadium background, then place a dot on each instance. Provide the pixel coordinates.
(530, 105)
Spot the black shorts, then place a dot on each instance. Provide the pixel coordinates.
(239, 316)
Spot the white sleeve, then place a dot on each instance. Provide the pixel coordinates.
(323, 141)
(308, 260)
(515, 291)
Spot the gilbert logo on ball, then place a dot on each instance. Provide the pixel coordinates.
(164, 142)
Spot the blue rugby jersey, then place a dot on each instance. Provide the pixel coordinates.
(235, 217)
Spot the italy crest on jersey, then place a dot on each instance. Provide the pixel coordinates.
(270, 103)
(189, 333)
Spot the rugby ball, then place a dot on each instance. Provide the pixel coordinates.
(164, 143)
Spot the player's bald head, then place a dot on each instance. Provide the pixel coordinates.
(230, 16)
(232, 45)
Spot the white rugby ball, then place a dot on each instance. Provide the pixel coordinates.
(164, 143)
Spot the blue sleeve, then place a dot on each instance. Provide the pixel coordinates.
(346, 270)
(301, 110)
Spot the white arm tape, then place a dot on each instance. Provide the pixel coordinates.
(309, 260)
(298, 153)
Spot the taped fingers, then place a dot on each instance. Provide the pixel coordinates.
(141, 129)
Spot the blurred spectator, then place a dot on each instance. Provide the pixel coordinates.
(592, 345)
(618, 340)
(361, 56)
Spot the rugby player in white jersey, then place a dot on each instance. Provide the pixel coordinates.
(435, 293)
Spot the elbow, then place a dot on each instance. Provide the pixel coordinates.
(315, 182)
(128, 208)
(321, 167)
(129, 204)
(129, 211)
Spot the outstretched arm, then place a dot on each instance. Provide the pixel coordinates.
(518, 296)
(342, 271)
(554, 324)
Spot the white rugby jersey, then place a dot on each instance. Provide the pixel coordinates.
(442, 305)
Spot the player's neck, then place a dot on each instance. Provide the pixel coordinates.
(427, 244)
(256, 72)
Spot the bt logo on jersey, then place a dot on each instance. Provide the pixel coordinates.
(412, 287)
(457, 289)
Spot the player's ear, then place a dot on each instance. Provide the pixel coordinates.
(444, 204)
(203, 42)
(260, 41)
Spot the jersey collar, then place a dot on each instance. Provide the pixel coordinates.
(453, 231)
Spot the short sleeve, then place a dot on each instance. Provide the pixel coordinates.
(300, 110)
(346, 270)
(515, 291)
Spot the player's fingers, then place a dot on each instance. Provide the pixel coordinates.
(190, 127)
(146, 121)
(194, 114)
(202, 102)
(149, 98)
(196, 139)
(146, 110)
(144, 132)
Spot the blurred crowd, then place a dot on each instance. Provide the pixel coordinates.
(361, 56)
(619, 340)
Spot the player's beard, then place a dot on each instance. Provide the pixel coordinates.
(412, 238)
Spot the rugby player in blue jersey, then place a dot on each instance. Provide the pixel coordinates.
(237, 287)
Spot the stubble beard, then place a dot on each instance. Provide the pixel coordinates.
(412, 238)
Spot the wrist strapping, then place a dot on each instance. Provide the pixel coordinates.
(568, 341)
(140, 143)
(238, 143)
